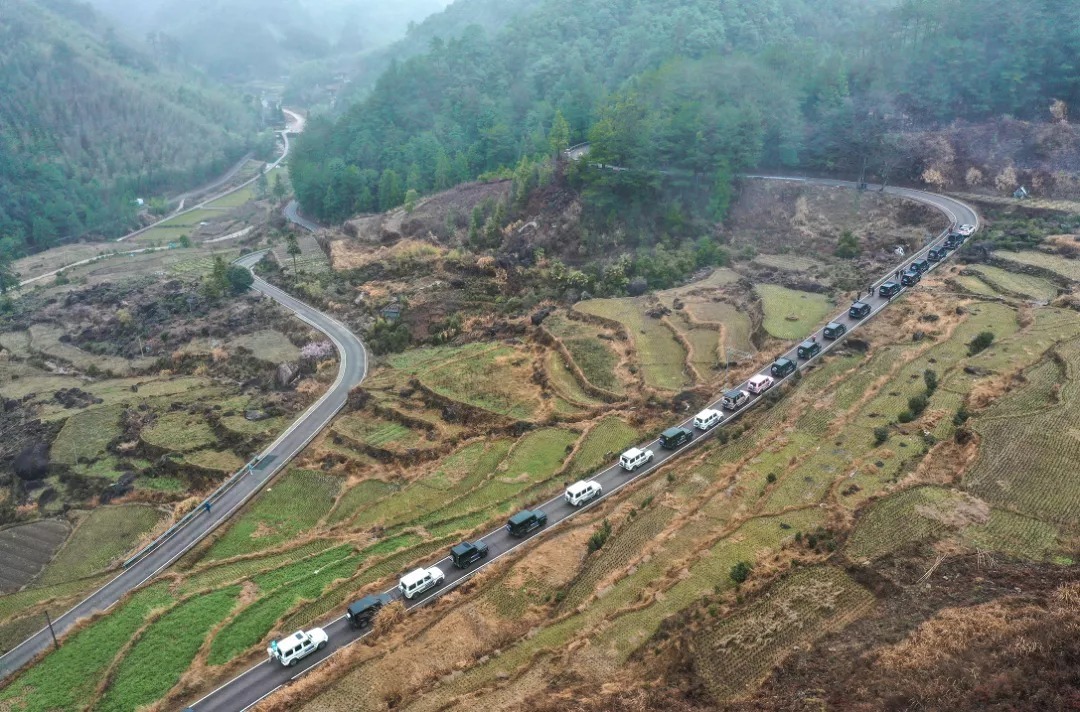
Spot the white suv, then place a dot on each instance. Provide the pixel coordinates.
(420, 580)
(288, 651)
(634, 458)
(707, 419)
(581, 492)
(759, 384)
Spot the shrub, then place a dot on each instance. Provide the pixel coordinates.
(741, 571)
(770, 478)
(905, 417)
(600, 536)
(847, 246)
(881, 434)
(239, 278)
(930, 378)
(961, 416)
(917, 404)
(980, 342)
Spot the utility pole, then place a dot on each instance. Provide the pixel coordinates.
(52, 632)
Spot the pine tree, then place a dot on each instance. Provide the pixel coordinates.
(559, 137)
(292, 248)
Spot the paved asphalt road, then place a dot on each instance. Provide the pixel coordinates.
(351, 370)
(267, 676)
(292, 213)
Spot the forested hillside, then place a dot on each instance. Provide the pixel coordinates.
(87, 123)
(700, 87)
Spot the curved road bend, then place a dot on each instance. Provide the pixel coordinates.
(352, 368)
(266, 677)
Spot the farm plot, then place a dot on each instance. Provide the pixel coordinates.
(788, 263)
(65, 679)
(494, 378)
(162, 653)
(789, 314)
(104, 535)
(1023, 461)
(735, 654)
(291, 505)
(271, 570)
(915, 516)
(368, 429)
(659, 354)
(179, 432)
(85, 435)
(563, 382)
(976, 286)
(26, 549)
(1069, 269)
(590, 352)
(1025, 285)
(267, 345)
(45, 339)
(735, 323)
(461, 472)
(607, 438)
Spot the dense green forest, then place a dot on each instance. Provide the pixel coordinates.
(699, 88)
(89, 122)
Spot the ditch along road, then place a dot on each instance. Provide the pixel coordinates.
(266, 677)
(352, 368)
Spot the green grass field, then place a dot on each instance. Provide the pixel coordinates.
(659, 355)
(371, 430)
(179, 432)
(104, 535)
(164, 651)
(792, 315)
(292, 504)
(495, 378)
(65, 679)
(610, 435)
(267, 345)
(1070, 269)
(1025, 285)
(85, 435)
(592, 354)
(790, 263)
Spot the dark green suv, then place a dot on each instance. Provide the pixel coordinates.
(361, 613)
(674, 437)
(859, 310)
(889, 289)
(834, 330)
(782, 367)
(467, 553)
(808, 349)
(525, 521)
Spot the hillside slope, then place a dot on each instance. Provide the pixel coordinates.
(88, 123)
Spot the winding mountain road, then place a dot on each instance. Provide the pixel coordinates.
(352, 368)
(266, 677)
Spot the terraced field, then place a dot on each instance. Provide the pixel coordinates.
(26, 549)
(660, 356)
(732, 656)
(1024, 285)
(590, 352)
(495, 378)
(792, 315)
(1023, 457)
(1069, 269)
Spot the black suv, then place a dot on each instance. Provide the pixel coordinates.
(859, 310)
(782, 367)
(889, 289)
(361, 613)
(467, 553)
(808, 349)
(954, 240)
(674, 437)
(909, 278)
(525, 521)
(937, 254)
(920, 266)
(834, 330)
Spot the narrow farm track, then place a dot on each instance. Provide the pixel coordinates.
(263, 679)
